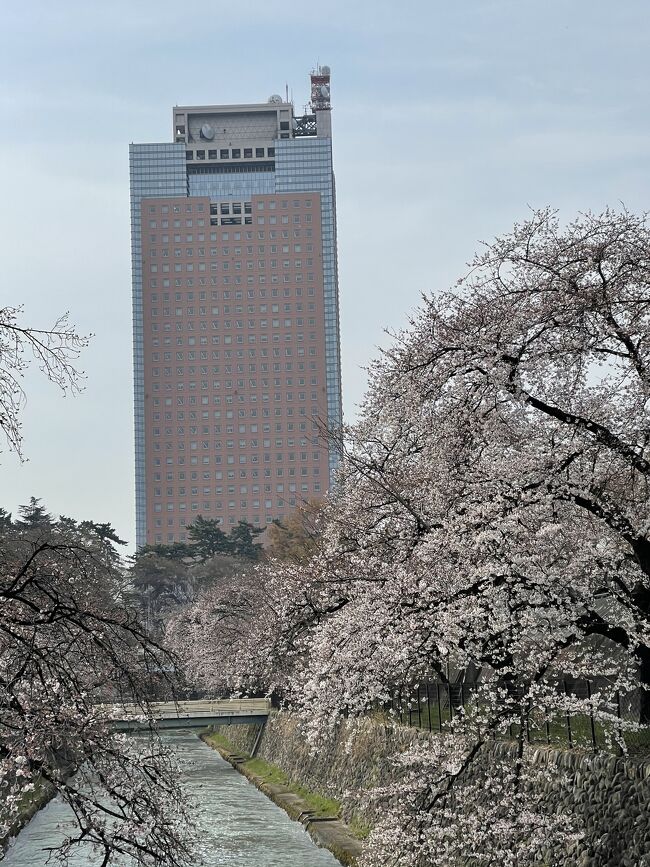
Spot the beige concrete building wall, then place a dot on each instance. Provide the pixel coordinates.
(234, 359)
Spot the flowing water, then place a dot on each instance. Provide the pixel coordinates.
(237, 824)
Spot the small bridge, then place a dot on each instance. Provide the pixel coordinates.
(193, 714)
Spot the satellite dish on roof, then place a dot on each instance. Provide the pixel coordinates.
(275, 99)
(207, 132)
(325, 70)
(324, 91)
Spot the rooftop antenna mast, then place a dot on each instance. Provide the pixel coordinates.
(286, 90)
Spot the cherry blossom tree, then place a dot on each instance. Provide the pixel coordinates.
(68, 651)
(69, 648)
(510, 423)
(230, 639)
(491, 511)
(493, 503)
(55, 350)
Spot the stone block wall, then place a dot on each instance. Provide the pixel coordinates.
(612, 794)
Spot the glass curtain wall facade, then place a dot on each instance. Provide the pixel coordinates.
(235, 315)
(155, 170)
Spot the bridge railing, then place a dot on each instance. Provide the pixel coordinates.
(191, 709)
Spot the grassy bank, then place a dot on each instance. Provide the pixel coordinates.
(323, 807)
(318, 813)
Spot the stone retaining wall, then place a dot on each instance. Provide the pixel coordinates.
(611, 793)
(345, 765)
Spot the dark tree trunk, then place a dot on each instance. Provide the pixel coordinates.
(641, 596)
(643, 653)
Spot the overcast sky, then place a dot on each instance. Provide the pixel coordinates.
(450, 120)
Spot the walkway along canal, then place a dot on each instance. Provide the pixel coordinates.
(237, 824)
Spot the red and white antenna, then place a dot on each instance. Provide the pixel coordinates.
(320, 89)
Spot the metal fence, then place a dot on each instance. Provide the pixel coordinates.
(433, 705)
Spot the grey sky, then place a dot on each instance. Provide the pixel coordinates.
(450, 119)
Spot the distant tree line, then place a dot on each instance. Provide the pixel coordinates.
(207, 539)
(167, 578)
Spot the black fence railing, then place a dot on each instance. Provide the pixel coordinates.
(433, 705)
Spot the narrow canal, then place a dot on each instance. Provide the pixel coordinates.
(237, 824)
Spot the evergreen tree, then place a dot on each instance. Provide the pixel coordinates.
(6, 521)
(33, 515)
(242, 540)
(207, 539)
(104, 531)
(177, 551)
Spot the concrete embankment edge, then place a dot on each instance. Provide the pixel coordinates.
(332, 834)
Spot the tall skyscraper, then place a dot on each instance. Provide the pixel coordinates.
(235, 314)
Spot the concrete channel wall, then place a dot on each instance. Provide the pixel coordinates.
(612, 794)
